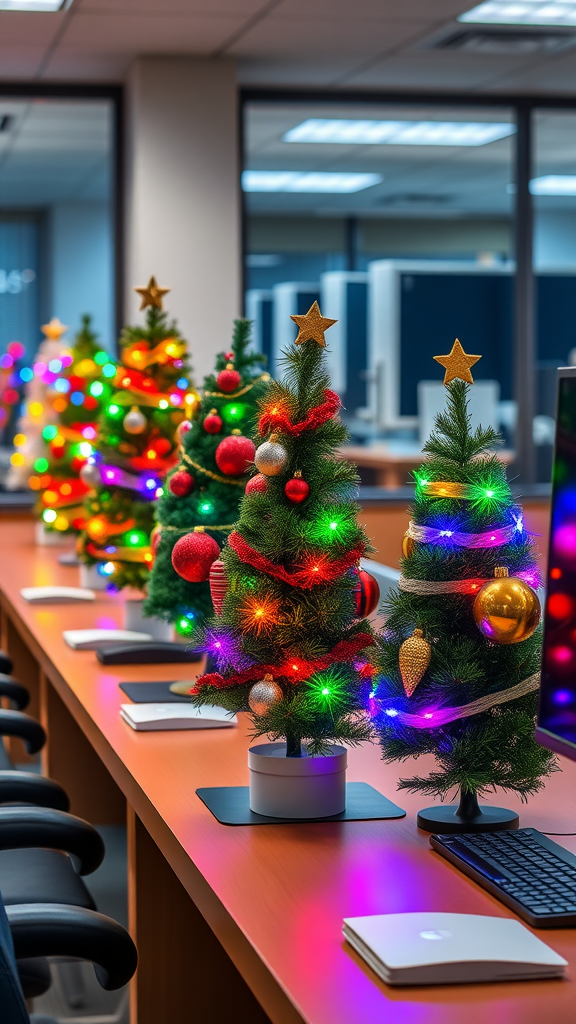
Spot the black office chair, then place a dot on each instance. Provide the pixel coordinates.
(6, 664)
(34, 931)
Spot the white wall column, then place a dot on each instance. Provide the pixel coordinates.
(183, 195)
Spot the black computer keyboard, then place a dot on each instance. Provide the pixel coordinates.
(527, 871)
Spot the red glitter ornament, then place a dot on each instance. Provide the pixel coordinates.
(234, 454)
(213, 422)
(193, 555)
(228, 379)
(181, 483)
(218, 584)
(366, 595)
(256, 484)
(297, 490)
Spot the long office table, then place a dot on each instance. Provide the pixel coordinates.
(242, 925)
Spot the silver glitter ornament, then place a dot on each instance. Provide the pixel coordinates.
(90, 475)
(263, 695)
(134, 421)
(271, 457)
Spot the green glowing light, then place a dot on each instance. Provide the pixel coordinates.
(49, 515)
(206, 507)
(49, 433)
(96, 389)
(137, 538)
(109, 370)
(233, 412)
(332, 526)
(325, 691)
(162, 404)
(41, 465)
(113, 410)
(100, 358)
(487, 495)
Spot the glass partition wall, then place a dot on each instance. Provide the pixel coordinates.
(402, 219)
(58, 231)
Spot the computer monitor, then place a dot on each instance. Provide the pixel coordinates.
(556, 723)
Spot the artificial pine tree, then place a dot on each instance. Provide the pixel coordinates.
(38, 408)
(459, 657)
(203, 493)
(289, 642)
(12, 380)
(76, 393)
(136, 445)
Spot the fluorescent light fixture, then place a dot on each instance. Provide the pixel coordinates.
(34, 5)
(554, 185)
(399, 133)
(308, 181)
(522, 12)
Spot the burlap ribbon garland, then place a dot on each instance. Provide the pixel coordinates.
(442, 716)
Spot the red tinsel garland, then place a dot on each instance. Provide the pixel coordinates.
(314, 418)
(345, 650)
(316, 569)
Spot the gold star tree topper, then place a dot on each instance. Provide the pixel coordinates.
(457, 364)
(311, 327)
(54, 330)
(152, 294)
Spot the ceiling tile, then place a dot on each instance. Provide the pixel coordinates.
(295, 72)
(148, 33)
(323, 39)
(374, 10)
(28, 29)
(191, 8)
(433, 70)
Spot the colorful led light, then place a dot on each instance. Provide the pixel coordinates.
(100, 358)
(96, 388)
(49, 515)
(109, 370)
(41, 465)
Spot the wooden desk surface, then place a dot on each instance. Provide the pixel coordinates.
(275, 896)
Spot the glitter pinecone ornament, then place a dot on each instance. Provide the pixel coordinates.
(413, 660)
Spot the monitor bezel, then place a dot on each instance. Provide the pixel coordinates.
(546, 738)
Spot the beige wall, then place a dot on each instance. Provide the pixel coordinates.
(183, 210)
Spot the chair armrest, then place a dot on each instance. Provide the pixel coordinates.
(36, 827)
(27, 788)
(18, 694)
(16, 723)
(50, 929)
(6, 663)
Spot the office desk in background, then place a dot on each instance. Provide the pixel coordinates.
(243, 925)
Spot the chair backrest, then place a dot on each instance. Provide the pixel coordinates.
(13, 1008)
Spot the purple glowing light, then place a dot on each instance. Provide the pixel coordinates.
(563, 697)
(6, 361)
(562, 655)
(531, 577)
(39, 368)
(564, 541)
(66, 359)
(89, 433)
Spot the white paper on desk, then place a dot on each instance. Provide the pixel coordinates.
(160, 717)
(56, 595)
(438, 949)
(89, 639)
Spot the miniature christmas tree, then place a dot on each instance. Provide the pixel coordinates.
(202, 495)
(136, 445)
(460, 656)
(38, 409)
(289, 642)
(76, 395)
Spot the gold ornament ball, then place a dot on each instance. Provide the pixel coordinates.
(264, 695)
(413, 660)
(408, 545)
(506, 610)
(270, 458)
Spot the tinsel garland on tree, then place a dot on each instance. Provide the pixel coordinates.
(204, 490)
(458, 661)
(289, 644)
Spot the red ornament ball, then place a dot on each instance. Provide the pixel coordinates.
(213, 422)
(218, 584)
(366, 595)
(234, 454)
(297, 490)
(229, 357)
(182, 429)
(161, 446)
(256, 484)
(181, 483)
(193, 555)
(228, 380)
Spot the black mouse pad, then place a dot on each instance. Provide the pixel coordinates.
(153, 693)
(231, 806)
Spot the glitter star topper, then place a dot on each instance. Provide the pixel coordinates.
(312, 325)
(152, 294)
(457, 364)
(54, 330)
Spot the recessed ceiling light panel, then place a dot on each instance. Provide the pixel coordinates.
(554, 185)
(399, 133)
(34, 5)
(308, 181)
(522, 12)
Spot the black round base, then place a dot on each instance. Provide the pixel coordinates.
(445, 818)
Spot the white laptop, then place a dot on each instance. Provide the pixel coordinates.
(438, 949)
(90, 639)
(157, 717)
(56, 595)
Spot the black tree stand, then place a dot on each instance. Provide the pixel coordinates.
(467, 816)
